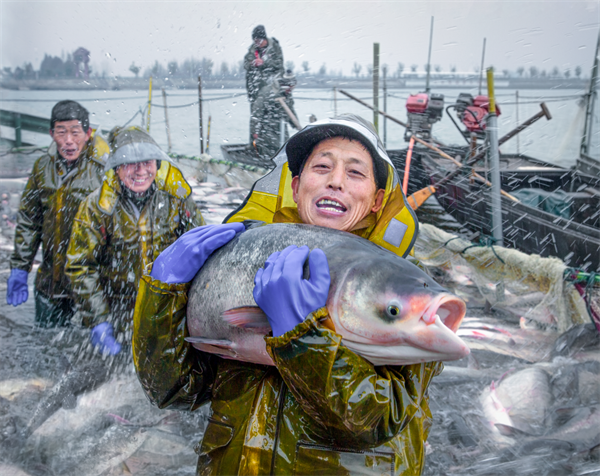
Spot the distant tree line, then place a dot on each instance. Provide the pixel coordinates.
(76, 64)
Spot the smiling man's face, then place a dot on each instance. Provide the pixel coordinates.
(336, 188)
(70, 138)
(138, 177)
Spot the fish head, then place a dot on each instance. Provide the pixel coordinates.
(398, 310)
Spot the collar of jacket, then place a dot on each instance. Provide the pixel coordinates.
(94, 150)
(169, 179)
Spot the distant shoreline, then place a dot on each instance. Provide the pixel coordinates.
(308, 82)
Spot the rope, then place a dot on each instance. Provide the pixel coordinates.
(484, 242)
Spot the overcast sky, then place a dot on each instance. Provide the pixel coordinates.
(338, 33)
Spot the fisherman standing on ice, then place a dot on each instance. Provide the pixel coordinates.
(71, 169)
(143, 205)
(322, 408)
(268, 114)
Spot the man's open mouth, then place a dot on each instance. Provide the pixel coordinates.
(331, 206)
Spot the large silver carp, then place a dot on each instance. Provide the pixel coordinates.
(385, 308)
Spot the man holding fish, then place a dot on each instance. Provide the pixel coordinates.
(312, 405)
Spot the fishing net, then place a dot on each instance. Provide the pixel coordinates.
(234, 174)
(529, 286)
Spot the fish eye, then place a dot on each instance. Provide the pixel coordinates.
(394, 309)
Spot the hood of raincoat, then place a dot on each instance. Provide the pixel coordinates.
(393, 227)
(131, 145)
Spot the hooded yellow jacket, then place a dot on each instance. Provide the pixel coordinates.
(328, 412)
(110, 245)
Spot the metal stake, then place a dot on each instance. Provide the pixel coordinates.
(164, 95)
(492, 132)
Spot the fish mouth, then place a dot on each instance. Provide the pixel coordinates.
(449, 308)
(332, 205)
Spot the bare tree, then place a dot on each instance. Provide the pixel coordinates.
(356, 69)
(413, 68)
(521, 71)
(323, 70)
(134, 69)
(399, 70)
(533, 71)
(578, 71)
(290, 65)
(172, 68)
(555, 72)
(305, 67)
(567, 73)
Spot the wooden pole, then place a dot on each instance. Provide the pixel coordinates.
(481, 68)
(149, 105)
(385, 108)
(443, 154)
(429, 57)
(164, 95)
(517, 108)
(334, 102)
(208, 133)
(200, 113)
(289, 112)
(376, 86)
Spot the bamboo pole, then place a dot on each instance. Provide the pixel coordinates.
(208, 133)
(289, 112)
(200, 113)
(149, 105)
(164, 95)
(459, 164)
(376, 86)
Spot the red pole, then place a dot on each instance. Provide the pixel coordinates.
(407, 166)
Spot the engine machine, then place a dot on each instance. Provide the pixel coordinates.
(423, 110)
(472, 112)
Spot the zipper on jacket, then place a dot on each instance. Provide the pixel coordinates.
(278, 424)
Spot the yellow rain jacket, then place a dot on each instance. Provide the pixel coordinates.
(321, 410)
(110, 245)
(47, 210)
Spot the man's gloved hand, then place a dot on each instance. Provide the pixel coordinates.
(103, 335)
(180, 262)
(283, 294)
(16, 291)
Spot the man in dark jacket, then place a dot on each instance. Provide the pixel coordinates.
(143, 205)
(269, 116)
(71, 169)
(263, 61)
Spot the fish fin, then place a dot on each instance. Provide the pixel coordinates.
(225, 343)
(251, 318)
(222, 347)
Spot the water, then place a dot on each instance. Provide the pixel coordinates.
(556, 141)
(114, 430)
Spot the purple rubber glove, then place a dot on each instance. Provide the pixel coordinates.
(16, 291)
(283, 294)
(103, 335)
(181, 261)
